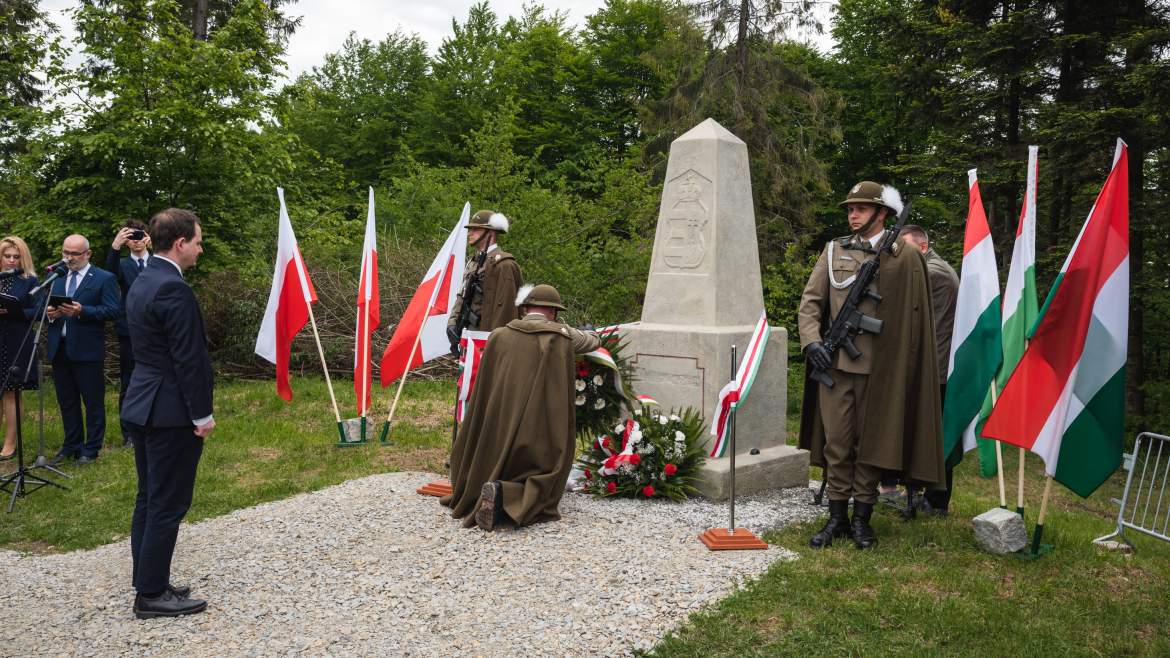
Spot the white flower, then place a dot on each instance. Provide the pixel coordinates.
(679, 437)
(648, 450)
(662, 420)
(598, 380)
(675, 417)
(635, 436)
(580, 384)
(637, 425)
(599, 403)
(580, 401)
(619, 428)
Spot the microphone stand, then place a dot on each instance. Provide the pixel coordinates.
(41, 461)
(22, 482)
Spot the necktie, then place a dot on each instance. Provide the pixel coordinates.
(139, 261)
(72, 284)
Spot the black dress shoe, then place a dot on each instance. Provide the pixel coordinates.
(83, 460)
(61, 458)
(181, 591)
(166, 605)
(487, 517)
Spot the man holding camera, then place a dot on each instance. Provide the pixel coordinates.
(492, 302)
(133, 235)
(80, 304)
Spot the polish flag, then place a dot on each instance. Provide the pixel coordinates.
(367, 314)
(425, 319)
(288, 303)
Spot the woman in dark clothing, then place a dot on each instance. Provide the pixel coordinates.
(17, 278)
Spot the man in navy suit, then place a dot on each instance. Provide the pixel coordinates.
(133, 235)
(169, 404)
(77, 349)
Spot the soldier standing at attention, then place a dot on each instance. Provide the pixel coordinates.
(493, 302)
(853, 431)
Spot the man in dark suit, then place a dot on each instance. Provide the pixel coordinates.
(169, 405)
(134, 236)
(77, 349)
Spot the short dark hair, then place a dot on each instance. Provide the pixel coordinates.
(171, 224)
(135, 224)
(917, 231)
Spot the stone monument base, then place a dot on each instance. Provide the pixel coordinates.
(779, 467)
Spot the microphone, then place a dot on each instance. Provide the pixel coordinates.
(57, 270)
(59, 266)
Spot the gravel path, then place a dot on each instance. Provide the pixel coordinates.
(369, 567)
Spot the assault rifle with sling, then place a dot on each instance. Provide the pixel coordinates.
(850, 321)
(467, 316)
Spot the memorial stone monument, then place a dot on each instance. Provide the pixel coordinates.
(704, 294)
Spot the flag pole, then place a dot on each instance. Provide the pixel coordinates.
(1039, 531)
(325, 369)
(1020, 470)
(999, 456)
(402, 379)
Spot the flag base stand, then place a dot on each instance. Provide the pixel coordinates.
(349, 434)
(740, 539)
(1029, 553)
(438, 489)
(384, 437)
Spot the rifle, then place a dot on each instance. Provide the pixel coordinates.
(851, 321)
(467, 316)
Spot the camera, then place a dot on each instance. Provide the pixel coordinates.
(137, 234)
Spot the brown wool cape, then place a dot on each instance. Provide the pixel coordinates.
(901, 424)
(520, 424)
(501, 281)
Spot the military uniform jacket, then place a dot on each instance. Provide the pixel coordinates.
(901, 417)
(502, 279)
(521, 421)
(826, 291)
(944, 292)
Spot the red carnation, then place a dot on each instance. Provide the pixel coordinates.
(605, 442)
(635, 459)
(648, 491)
(588, 475)
(669, 469)
(582, 369)
(611, 487)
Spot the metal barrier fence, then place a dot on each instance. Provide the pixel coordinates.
(1150, 465)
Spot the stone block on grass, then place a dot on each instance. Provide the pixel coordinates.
(1000, 531)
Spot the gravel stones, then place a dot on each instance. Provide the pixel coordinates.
(369, 567)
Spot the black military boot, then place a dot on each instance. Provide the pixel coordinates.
(837, 525)
(863, 534)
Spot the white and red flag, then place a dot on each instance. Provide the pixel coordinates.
(368, 315)
(472, 344)
(1065, 400)
(736, 391)
(425, 319)
(288, 302)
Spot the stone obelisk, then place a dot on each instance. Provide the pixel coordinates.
(704, 295)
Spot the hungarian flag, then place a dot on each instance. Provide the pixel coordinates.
(288, 302)
(976, 352)
(472, 344)
(1065, 401)
(736, 391)
(1019, 296)
(367, 314)
(425, 319)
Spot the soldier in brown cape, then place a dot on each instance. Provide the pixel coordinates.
(512, 457)
(495, 306)
(852, 431)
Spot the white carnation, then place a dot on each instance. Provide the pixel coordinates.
(599, 403)
(635, 436)
(679, 436)
(580, 401)
(662, 420)
(675, 417)
(598, 380)
(580, 384)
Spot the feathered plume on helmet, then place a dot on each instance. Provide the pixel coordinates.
(522, 295)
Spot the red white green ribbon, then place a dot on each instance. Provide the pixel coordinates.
(601, 356)
(736, 391)
(647, 401)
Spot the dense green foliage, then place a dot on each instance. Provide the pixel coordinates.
(565, 128)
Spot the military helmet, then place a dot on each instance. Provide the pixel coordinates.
(870, 192)
(489, 219)
(541, 295)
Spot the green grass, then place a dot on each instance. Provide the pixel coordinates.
(928, 590)
(261, 450)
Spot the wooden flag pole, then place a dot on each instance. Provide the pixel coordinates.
(1036, 534)
(402, 380)
(325, 369)
(998, 456)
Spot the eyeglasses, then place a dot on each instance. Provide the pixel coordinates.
(75, 254)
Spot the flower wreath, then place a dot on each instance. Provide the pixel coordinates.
(649, 455)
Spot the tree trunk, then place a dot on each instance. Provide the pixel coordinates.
(199, 20)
